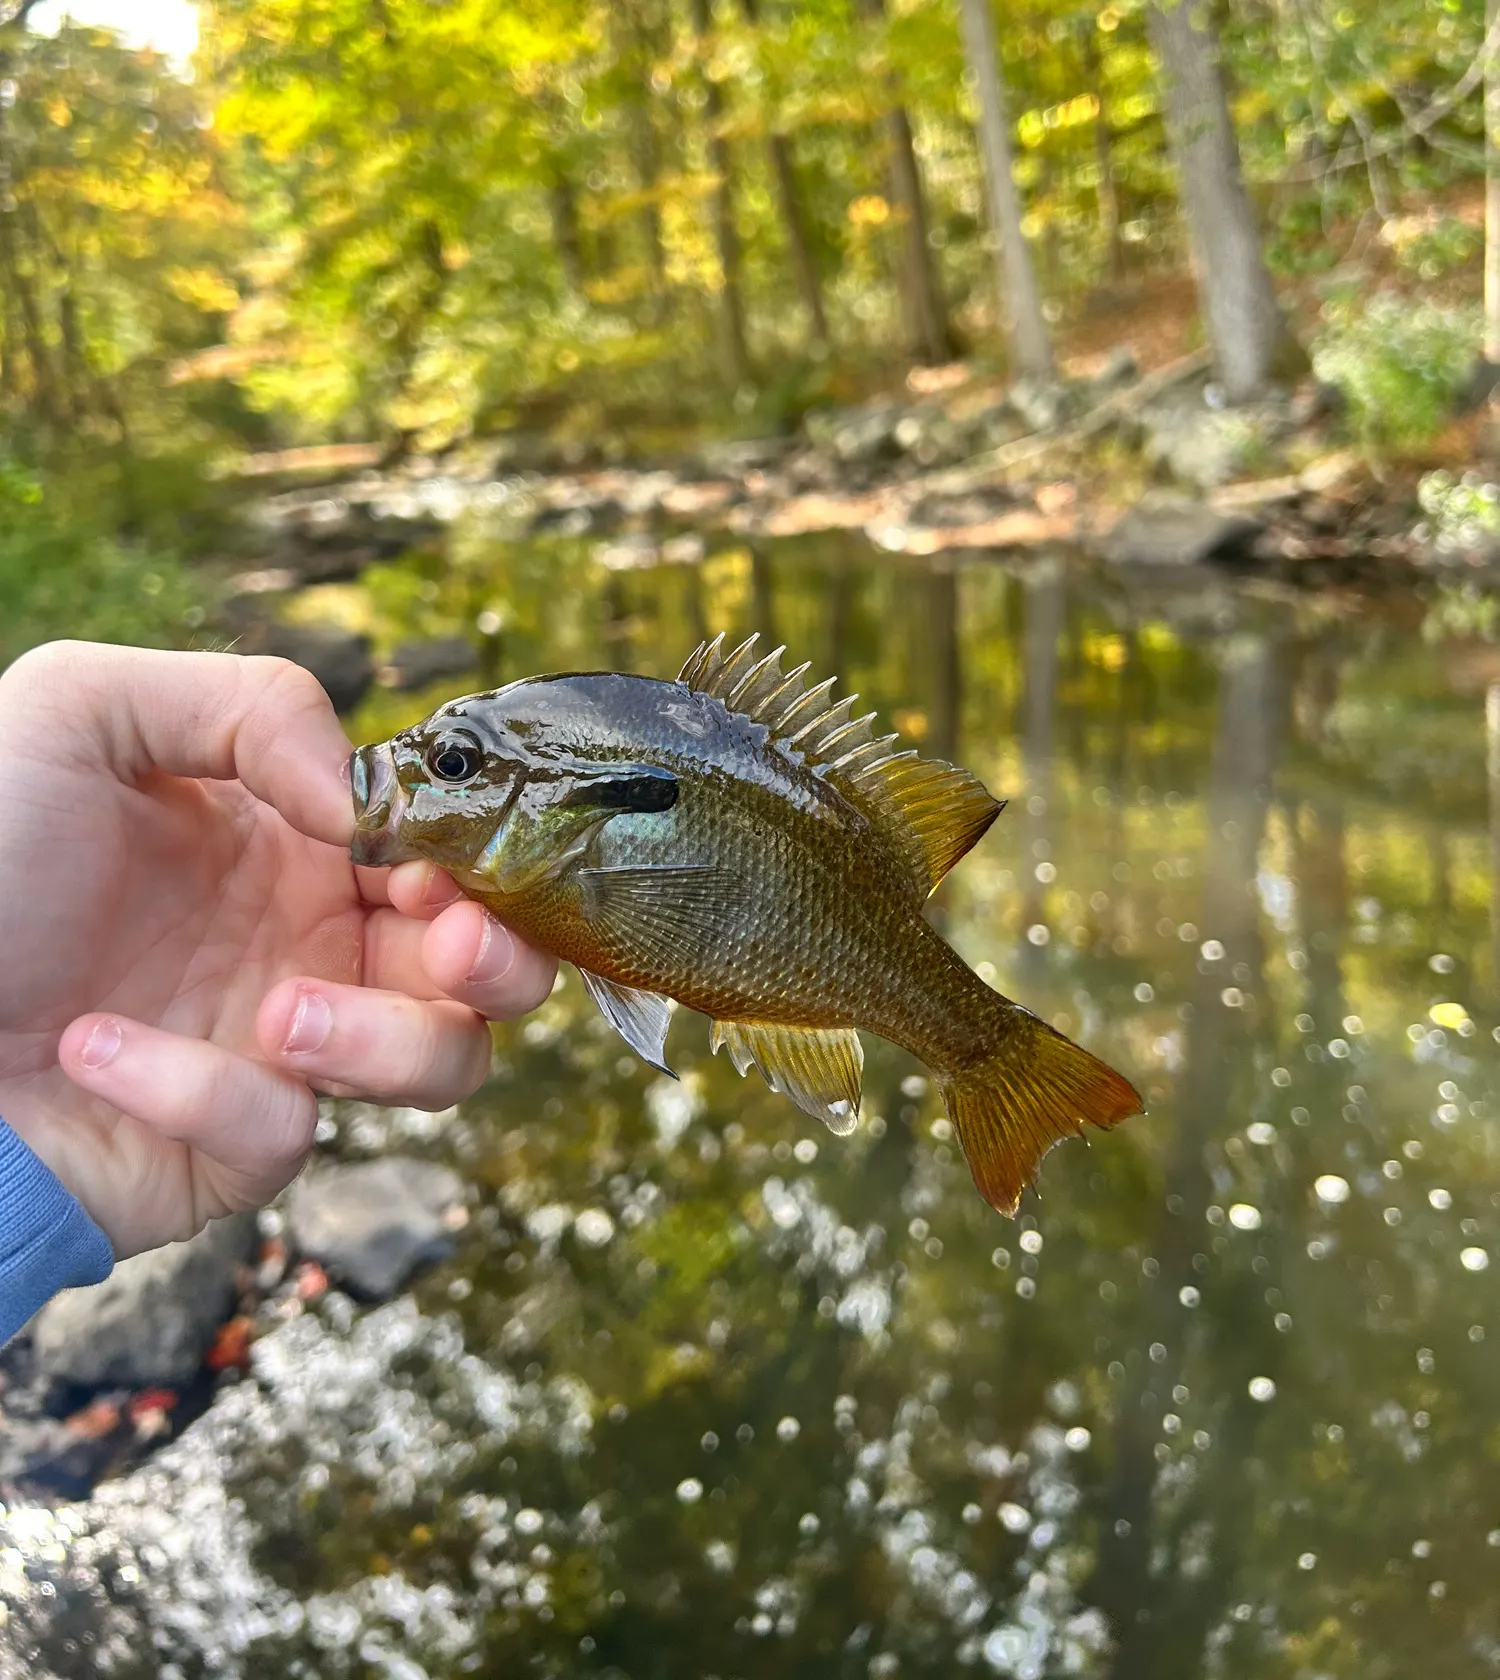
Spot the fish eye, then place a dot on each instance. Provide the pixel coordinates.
(455, 758)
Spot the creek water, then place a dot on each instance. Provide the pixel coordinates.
(705, 1391)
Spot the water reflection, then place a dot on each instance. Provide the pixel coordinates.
(706, 1392)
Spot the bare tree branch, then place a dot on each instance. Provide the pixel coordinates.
(1417, 124)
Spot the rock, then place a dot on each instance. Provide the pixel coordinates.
(1166, 530)
(1312, 401)
(328, 537)
(1478, 388)
(373, 1223)
(1204, 446)
(1118, 368)
(856, 436)
(1041, 404)
(932, 438)
(576, 521)
(415, 664)
(733, 457)
(972, 507)
(151, 1321)
(339, 659)
(996, 425)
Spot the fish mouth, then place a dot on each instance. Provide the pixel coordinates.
(380, 804)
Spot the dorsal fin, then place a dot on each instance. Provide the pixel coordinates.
(930, 813)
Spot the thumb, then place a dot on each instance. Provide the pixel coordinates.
(264, 722)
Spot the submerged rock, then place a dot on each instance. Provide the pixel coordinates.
(151, 1321)
(415, 664)
(340, 660)
(1167, 530)
(373, 1223)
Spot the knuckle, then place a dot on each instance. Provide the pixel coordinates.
(41, 666)
(289, 687)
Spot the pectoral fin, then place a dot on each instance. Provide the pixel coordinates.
(669, 916)
(817, 1067)
(640, 1018)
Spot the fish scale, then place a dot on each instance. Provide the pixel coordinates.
(739, 842)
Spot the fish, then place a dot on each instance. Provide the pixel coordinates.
(740, 843)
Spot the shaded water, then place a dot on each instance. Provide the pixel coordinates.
(707, 1392)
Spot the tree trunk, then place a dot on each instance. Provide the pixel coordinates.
(1018, 303)
(736, 350)
(929, 337)
(946, 660)
(1107, 193)
(793, 221)
(1492, 761)
(1159, 1618)
(564, 204)
(1250, 339)
(1046, 615)
(927, 329)
(1492, 192)
(634, 50)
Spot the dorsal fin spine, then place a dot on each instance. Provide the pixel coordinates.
(699, 660)
(782, 695)
(929, 813)
(734, 667)
(737, 700)
(875, 751)
(813, 702)
(835, 717)
(832, 740)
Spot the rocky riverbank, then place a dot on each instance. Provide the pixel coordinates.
(1150, 474)
(106, 1375)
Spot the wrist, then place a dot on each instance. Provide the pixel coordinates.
(48, 1242)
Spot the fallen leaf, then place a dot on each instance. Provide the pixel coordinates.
(95, 1421)
(231, 1346)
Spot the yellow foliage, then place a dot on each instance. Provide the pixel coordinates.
(204, 288)
(1107, 651)
(870, 211)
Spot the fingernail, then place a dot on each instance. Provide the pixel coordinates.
(102, 1045)
(440, 888)
(312, 1021)
(497, 953)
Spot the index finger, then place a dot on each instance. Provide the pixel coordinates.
(221, 716)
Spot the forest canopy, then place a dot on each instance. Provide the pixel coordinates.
(407, 221)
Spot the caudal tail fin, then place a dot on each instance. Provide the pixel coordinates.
(1037, 1088)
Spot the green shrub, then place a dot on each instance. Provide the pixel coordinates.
(61, 575)
(1399, 363)
(1461, 512)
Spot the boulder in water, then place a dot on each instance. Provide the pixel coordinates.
(373, 1223)
(150, 1322)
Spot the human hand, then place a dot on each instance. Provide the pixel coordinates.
(187, 953)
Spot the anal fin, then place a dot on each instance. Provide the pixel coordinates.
(817, 1067)
(640, 1018)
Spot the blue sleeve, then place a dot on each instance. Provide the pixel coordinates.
(47, 1240)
